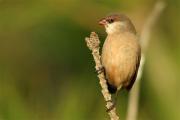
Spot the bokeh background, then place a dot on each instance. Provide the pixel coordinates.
(47, 72)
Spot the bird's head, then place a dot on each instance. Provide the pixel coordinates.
(117, 23)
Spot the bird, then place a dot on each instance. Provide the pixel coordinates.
(121, 52)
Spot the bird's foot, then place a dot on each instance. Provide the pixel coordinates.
(100, 70)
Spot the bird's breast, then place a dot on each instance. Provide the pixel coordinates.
(119, 56)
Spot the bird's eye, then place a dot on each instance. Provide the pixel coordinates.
(111, 21)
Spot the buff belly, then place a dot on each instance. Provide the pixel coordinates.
(119, 58)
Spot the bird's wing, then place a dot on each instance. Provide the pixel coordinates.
(133, 78)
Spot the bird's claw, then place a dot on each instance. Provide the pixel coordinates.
(100, 70)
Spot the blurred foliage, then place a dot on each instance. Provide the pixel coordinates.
(47, 72)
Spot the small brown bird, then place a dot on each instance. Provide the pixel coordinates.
(121, 52)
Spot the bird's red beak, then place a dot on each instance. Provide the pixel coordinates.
(102, 22)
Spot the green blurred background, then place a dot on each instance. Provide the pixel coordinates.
(47, 72)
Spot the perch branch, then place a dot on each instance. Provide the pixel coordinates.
(93, 44)
(144, 40)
